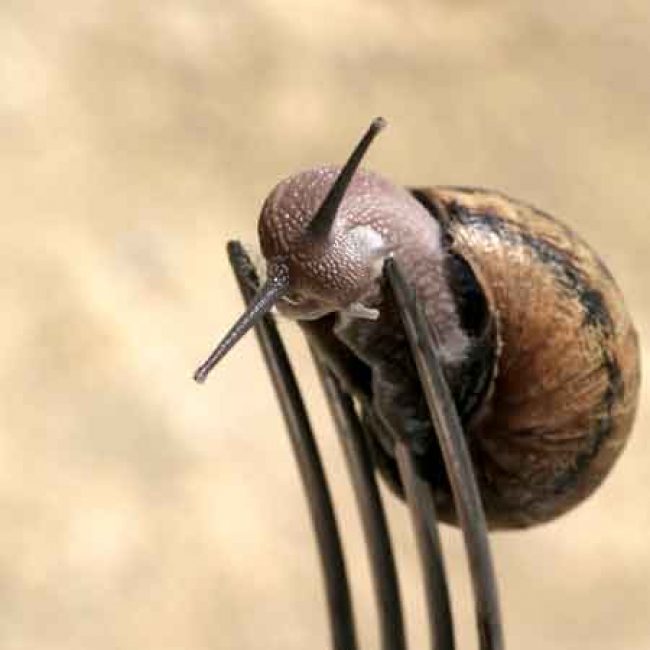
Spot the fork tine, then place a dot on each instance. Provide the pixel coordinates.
(456, 457)
(307, 457)
(373, 519)
(425, 526)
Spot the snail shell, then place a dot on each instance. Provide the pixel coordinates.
(565, 373)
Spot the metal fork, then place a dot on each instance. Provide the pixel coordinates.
(418, 495)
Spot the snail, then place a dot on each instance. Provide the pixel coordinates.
(537, 346)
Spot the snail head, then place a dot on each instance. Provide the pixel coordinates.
(318, 259)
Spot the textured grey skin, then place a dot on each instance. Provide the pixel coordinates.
(344, 274)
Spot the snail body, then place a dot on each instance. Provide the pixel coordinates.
(537, 346)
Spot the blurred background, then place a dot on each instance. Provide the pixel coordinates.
(139, 510)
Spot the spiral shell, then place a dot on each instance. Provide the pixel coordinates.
(564, 393)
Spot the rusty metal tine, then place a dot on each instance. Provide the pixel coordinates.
(308, 459)
(373, 518)
(457, 460)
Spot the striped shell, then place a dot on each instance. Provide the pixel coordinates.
(563, 398)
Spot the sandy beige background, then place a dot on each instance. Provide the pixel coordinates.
(138, 510)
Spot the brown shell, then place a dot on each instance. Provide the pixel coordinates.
(567, 379)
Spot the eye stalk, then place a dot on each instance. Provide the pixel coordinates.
(272, 290)
(320, 226)
(278, 283)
